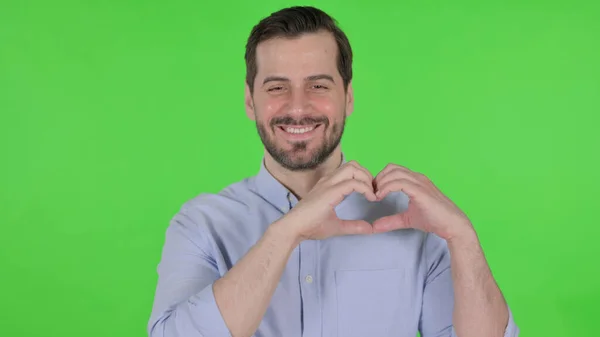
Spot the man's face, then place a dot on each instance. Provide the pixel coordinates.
(299, 103)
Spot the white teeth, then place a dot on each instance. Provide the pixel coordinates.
(301, 130)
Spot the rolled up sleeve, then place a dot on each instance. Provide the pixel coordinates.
(184, 302)
(511, 328)
(438, 296)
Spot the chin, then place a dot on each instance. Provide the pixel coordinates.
(297, 154)
(299, 160)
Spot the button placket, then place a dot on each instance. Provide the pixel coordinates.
(309, 292)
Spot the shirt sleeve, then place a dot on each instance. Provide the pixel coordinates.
(184, 303)
(438, 294)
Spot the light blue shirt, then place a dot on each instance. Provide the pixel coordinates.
(388, 284)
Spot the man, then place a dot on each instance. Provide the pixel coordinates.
(314, 245)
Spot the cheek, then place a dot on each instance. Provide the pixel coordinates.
(268, 108)
(329, 107)
(272, 106)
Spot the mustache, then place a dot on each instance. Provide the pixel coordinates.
(288, 120)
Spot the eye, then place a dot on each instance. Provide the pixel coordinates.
(277, 88)
(319, 87)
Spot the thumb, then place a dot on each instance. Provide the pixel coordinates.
(390, 223)
(354, 227)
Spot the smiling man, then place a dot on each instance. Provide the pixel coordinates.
(315, 245)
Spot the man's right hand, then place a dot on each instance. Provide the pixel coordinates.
(314, 216)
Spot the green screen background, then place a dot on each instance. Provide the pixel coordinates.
(115, 113)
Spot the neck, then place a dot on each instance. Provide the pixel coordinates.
(301, 182)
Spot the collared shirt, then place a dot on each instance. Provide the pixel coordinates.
(387, 284)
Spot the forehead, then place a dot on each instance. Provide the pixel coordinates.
(300, 56)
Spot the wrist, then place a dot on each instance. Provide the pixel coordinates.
(284, 232)
(465, 238)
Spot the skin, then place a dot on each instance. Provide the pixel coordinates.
(308, 89)
(479, 306)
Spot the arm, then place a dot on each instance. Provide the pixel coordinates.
(479, 306)
(455, 263)
(460, 296)
(192, 300)
(244, 293)
(184, 303)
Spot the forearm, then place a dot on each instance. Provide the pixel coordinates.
(244, 293)
(479, 306)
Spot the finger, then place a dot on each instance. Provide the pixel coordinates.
(407, 186)
(391, 222)
(389, 167)
(416, 176)
(362, 168)
(339, 191)
(351, 171)
(359, 172)
(395, 174)
(353, 227)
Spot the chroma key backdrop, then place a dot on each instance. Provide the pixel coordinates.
(114, 113)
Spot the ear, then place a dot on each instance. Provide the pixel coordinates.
(349, 100)
(249, 103)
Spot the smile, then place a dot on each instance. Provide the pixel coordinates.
(291, 129)
(299, 132)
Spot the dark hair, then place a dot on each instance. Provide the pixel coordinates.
(293, 22)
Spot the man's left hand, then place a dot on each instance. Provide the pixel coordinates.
(428, 210)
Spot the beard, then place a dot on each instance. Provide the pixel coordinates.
(298, 158)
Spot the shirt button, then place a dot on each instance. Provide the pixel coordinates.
(308, 279)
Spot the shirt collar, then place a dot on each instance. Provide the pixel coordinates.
(273, 191)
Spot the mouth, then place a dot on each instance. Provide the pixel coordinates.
(299, 132)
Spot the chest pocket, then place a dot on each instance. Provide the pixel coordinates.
(374, 303)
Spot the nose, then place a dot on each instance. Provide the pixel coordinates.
(298, 103)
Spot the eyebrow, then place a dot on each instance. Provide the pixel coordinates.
(309, 78)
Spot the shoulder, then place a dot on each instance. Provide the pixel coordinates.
(235, 212)
(222, 225)
(231, 201)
